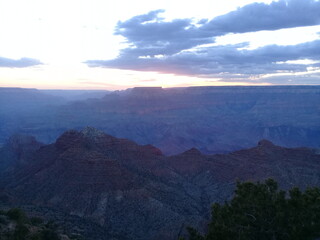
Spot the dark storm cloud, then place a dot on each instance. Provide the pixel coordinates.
(173, 46)
(18, 63)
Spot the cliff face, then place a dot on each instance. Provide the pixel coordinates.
(17, 151)
(135, 192)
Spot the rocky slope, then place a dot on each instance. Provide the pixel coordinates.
(134, 191)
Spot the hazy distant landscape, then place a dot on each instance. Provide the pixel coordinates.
(212, 119)
(113, 179)
(115, 175)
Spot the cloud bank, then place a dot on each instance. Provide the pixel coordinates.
(181, 46)
(18, 63)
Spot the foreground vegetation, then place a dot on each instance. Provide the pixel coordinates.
(16, 225)
(262, 211)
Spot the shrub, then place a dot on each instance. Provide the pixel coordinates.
(17, 214)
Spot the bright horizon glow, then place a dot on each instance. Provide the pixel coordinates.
(124, 79)
(65, 34)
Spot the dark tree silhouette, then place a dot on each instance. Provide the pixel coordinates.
(262, 211)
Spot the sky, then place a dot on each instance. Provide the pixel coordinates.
(101, 44)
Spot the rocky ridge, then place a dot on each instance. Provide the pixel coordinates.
(136, 192)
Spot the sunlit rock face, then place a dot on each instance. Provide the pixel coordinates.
(133, 190)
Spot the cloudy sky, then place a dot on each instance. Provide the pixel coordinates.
(101, 44)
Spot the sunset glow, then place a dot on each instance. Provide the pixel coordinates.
(103, 45)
